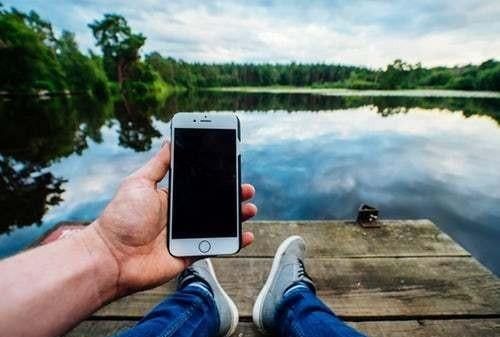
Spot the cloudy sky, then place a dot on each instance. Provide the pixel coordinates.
(363, 32)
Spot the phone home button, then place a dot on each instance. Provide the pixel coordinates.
(204, 246)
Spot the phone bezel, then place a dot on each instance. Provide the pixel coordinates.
(219, 245)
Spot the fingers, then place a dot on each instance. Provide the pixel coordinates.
(248, 211)
(247, 192)
(156, 168)
(247, 238)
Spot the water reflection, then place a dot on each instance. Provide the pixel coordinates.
(237, 101)
(432, 158)
(423, 164)
(136, 129)
(34, 134)
(25, 194)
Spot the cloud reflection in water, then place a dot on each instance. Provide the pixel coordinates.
(432, 164)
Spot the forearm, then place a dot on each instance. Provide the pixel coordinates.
(49, 289)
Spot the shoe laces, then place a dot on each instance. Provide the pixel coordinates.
(302, 270)
(188, 273)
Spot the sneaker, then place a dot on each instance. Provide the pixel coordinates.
(203, 272)
(286, 271)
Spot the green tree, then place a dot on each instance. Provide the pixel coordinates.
(81, 72)
(120, 47)
(26, 61)
(489, 75)
(41, 27)
(394, 75)
(164, 66)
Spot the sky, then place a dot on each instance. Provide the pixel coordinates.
(359, 32)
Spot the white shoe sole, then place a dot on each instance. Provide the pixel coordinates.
(257, 308)
(232, 306)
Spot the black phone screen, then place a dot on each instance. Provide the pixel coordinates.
(204, 183)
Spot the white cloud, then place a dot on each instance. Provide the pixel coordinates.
(362, 32)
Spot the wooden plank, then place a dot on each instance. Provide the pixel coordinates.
(426, 328)
(358, 288)
(343, 238)
(99, 328)
(403, 277)
(137, 305)
(378, 287)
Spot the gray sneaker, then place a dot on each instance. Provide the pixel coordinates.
(287, 269)
(203, 271)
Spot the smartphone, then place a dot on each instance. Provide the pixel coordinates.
(204, 215)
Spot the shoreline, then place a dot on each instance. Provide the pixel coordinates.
(356, 92)
(340, 92)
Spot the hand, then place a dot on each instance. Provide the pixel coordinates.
(133, 228)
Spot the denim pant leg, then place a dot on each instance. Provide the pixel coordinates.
(188, 312)
(302, 314)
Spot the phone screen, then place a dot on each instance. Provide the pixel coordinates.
(204, 182)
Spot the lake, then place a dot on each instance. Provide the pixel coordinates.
(309, 157)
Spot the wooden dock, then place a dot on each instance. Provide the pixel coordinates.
(406, 278)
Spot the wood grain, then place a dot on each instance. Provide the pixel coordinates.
(343, 238)
(406, 278)
(425, 328)
(357, 288)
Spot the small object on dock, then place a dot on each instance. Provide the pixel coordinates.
(367, 216)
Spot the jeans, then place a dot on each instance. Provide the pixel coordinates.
(192, 312)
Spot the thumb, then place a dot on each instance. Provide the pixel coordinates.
(157, 167)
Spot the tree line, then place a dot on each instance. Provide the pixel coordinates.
(398, 75)
(33, 58)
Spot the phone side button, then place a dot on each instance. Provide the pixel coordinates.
(204, 246)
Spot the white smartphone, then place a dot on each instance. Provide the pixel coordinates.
(204, 215)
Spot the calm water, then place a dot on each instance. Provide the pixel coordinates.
(310, 157)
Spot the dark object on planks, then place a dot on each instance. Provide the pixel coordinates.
(367, 216)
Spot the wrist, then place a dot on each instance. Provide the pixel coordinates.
(104, 264)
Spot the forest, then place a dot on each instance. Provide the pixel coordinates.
(34, 58)
(398, 75)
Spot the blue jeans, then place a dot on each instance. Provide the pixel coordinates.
(192, 312)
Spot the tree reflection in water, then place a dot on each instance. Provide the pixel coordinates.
(36, 133)
(136, 126)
